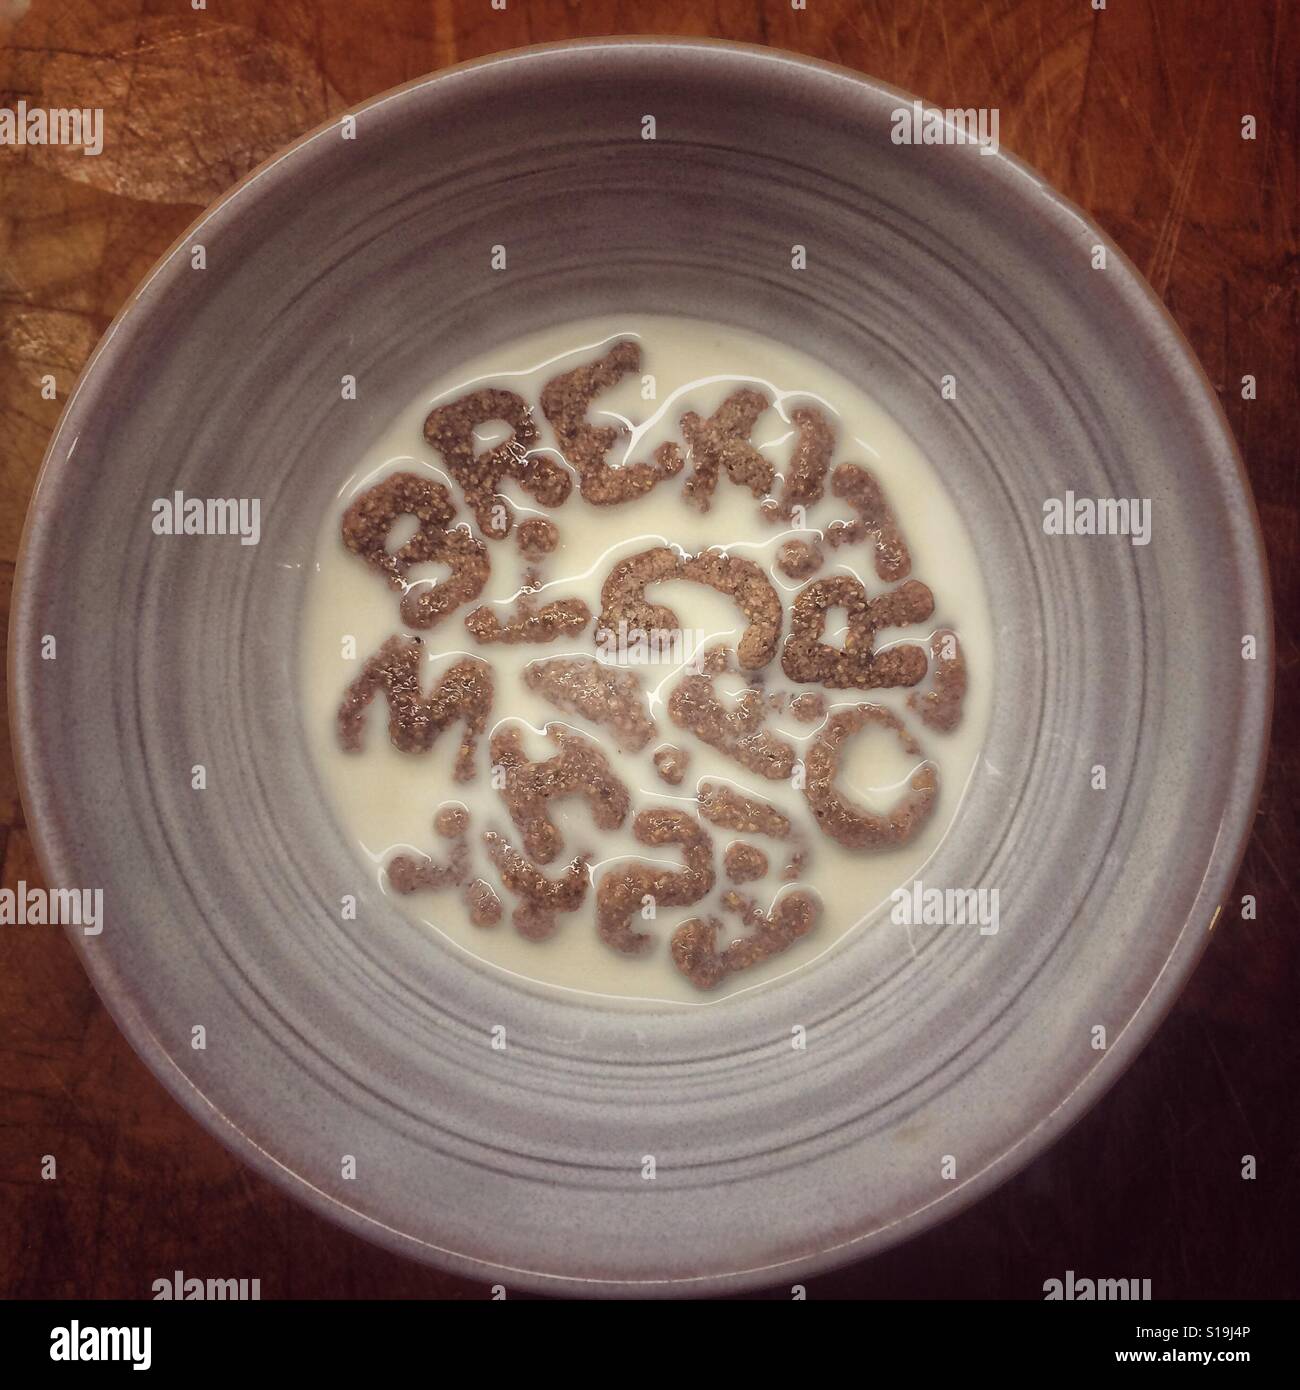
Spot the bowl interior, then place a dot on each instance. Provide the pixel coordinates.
(371, 256)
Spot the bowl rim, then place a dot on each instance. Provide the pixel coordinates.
(55, 858)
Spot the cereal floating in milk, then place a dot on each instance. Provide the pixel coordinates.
(700, 645)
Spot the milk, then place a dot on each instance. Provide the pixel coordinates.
(385, 800)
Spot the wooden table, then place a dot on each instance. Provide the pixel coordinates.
(1135, 112)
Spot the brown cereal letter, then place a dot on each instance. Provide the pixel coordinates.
(537, 537)
(407, 874)
(940, 707)
(483, 903)
(623, 599)
(805, 478)
(603, 694)
(722, 441)
(565, 401)
(799, 559)
(414, 722)
(563, 618)
(543, 897)
(621, 892)
(856, 665)
(671, 763)
(366, 526)
(578, 769)
(694, 944)
(735, 810)
(450, 430)
(744, 862)
(875, 519)
(843, 820)
(739, 731)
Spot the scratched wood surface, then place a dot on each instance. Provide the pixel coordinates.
(1135, 112)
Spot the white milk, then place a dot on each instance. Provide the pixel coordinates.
(385, 800)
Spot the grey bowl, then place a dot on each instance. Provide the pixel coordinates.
(328, 1038)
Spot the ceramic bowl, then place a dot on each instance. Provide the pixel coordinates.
(921, 1086)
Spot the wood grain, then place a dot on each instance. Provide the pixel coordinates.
(1135, 112)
